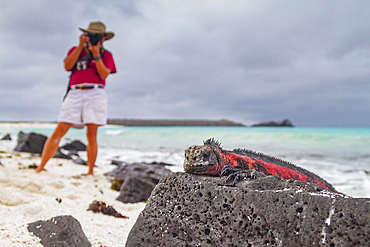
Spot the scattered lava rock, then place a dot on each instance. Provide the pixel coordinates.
(75, 145)
(60, 231)
(6, 137)
(136, 181)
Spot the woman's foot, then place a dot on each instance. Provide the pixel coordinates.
(39, 169)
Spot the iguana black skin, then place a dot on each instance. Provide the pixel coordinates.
(211, 159)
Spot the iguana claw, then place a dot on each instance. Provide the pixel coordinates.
(234, 174)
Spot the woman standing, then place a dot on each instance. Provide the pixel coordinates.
(85, 103)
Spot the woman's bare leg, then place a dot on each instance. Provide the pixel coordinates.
(92, 146)
(52, 144)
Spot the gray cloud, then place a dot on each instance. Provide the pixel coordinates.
(247, 61)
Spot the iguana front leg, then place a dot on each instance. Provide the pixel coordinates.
(236, 174)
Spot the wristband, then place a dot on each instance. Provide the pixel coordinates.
(97, 58)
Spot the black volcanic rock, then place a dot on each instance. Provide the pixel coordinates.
(60, 155)
(34, 143)
(75, 145)
(6, 137)
(31, 142)
(138, 180)
(60, 231)
(193, 210)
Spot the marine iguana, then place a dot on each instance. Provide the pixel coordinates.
(211, 159)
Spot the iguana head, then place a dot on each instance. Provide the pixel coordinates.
(205, 159)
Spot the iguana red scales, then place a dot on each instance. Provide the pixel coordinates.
(211, 159)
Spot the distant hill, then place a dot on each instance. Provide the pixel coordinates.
(284, 123)
(164, 122)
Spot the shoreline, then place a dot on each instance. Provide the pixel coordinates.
(26, 197)
(37, 125)
(138, 122)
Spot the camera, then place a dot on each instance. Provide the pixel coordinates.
(95, 38)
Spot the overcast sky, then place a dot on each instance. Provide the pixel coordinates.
(242, 60)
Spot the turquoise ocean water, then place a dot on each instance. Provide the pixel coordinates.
(339, 155)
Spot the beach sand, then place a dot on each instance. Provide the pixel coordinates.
(26, 197)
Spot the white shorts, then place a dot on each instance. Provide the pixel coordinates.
(82, 107)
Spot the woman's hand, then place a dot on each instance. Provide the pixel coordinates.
(84, 39)
(70, 61)
(95, 49)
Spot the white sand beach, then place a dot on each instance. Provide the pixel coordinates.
(26, 197)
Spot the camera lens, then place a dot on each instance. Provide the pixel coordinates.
(95, 38)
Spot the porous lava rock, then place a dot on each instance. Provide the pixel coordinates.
(30, 143)
(34, 143)
(60, 155)
(6, 137)
(75, 145)
(193, 210)
(60, 231)
(138, 180)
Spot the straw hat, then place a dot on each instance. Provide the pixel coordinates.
(98, 27)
